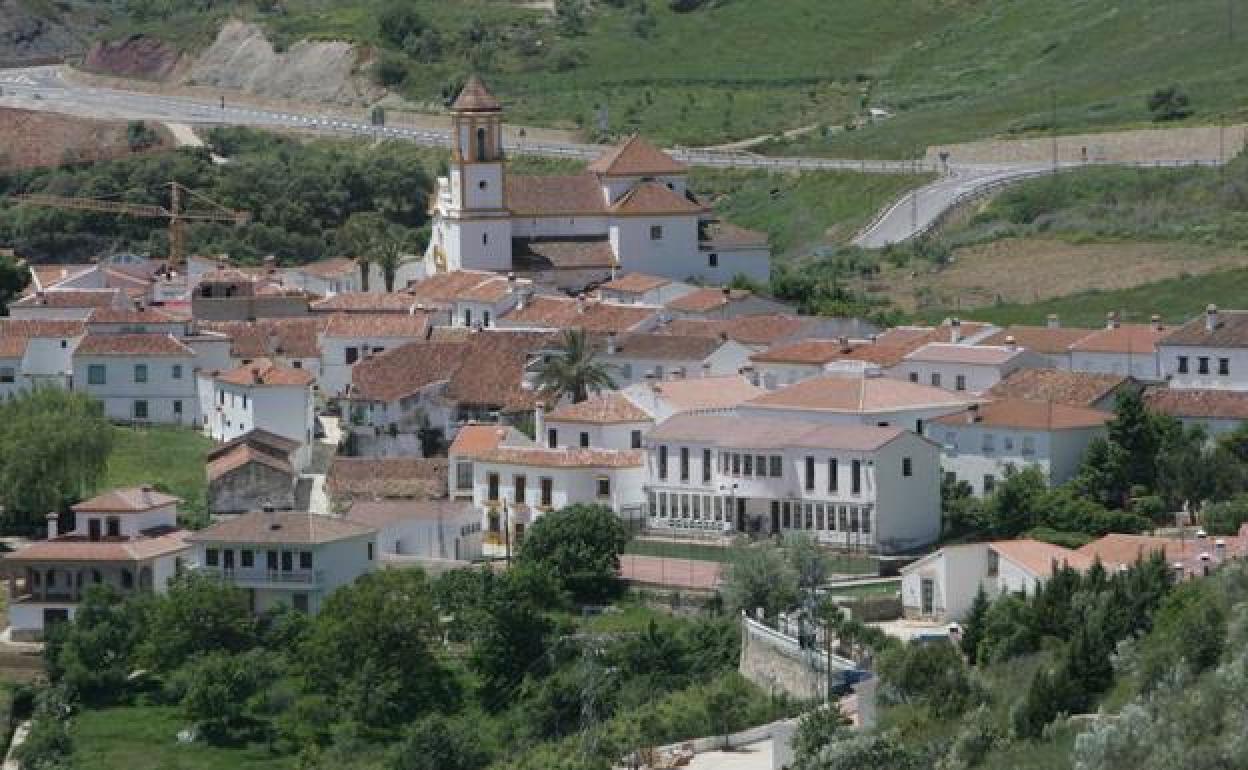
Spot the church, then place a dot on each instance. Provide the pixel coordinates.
(629, 212)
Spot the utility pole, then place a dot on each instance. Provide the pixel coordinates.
(1053, 123)
(507, 530)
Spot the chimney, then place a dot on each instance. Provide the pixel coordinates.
(54, 521)
(1011, 344)
(580, 303)
(1053, 321)
(727, 293)
(1111, 320)
(147, 490)
(972, 414)
(270, 264)
(706, 368)
(1156, 320)
(1219, 550)
(845, 346)
(611, 343)
(955, 331)
(539, 421)
(511, 283)
(1211, 317)
(521, 298)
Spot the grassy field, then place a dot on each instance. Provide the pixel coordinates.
(890, 588)
(842, 563)
(949, 70)
(169, 458)
(145, 738)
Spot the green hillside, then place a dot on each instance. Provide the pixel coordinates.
(950, 69)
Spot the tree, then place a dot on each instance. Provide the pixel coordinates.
(760, 576)
(54, 447)
(1136, 432)
(973, 627)
(197, 615)
(1012, 508)
(14, 277)
(580, 547)
(93, 656)
(399, 21)
(437, 742)
(373, 240)
(369, 649)
(573, 371)
(1170, 103)
(1225, 518)
(512, 640)
(217, 689)
(808, 560)
(816, 730)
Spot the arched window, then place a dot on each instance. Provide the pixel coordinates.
(481, 152)
(485, 238)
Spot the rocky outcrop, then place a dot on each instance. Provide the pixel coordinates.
(137, 56)
(28, 37)
(242, 58)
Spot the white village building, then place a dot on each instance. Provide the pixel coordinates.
(1207, 353)
(264, 396)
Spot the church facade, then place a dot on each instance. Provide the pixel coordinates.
(629, 211)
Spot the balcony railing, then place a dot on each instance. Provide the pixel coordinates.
(255, 575)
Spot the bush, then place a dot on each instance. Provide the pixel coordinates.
(1169, 103)
(580, 546)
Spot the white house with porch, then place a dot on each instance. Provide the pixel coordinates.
(127, 539)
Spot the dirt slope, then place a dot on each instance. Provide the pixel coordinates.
(137, 56)
(47, 139)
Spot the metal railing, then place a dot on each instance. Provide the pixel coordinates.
(258, 575)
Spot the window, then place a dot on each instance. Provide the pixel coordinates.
(1202, 365)
(656, 232)
(1007, 443)
(684, 463)
(663, 463)
(777, 467)
(736, 464)
(519, 483)
(960, 382)
(1182, 364)
(492, 488)
(140, 410)
(760, 465)
(748, 469)
(548, 492)
(7, 374)
(833, 472)
(140, 372)
(370, 551)
(810, 473)
(907, 467)
(177, 371)
(248, 558)
(114, 526)
(584, 440)
(467, 316)
(1029, 445)
(914, 376)
(299, 601)
(485, 318)
(994, 563)
(866, 521)
(936, 379)
(635, 439)
(305, 560)
(297, 364)
(706, 465)
(485, 238)
(1224, 366)
(712, 260)
(211, 557)
(855, 477)
(64, 344)
(97, 374)
(604, 486)
(990, 442)
(270, 560)
(177, 407)
(552, 438)
(990, 483)
(482, 185)
(352, 355)
(288, 561)
(463, 475)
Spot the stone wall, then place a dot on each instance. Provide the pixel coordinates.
(249, 488)
(777, 663)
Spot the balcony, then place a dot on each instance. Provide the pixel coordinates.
(256, 577)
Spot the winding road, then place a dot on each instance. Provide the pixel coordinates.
(46, 89)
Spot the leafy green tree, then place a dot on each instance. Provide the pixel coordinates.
(1011, 509)
(14, 278)
(512, 641)
(808, 560)
(580, 547)
(816, 730)
(399, 21)
(1137, 433)
(760, 576)
(54, 448)
(574, 371)
(197, 615)
(973, 626)
(437, 742)
(933, 675)
(374, 241)
(868, 750)
(93, 656)
(370, 649)
(48, 745)
(1225, 518)
(217, 690)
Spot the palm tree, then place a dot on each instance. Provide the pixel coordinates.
(573, 370)
(376, 241)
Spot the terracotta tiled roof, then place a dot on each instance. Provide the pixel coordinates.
(718, 234)
(50, 275)
(239, 455)
(231, 275)
(1064, 387)
(110, 315)
(564, 458)
(705, 393)
(1038, 557)
(405, 370)
(77, 548)
(283, 337)
(605, 409)
(820, 352)
(859, 394)
(257, 438)
(496, 375)
(915, 337)
(1230, 330)
(1127, 338)
(460, 285)
(1116, 550)
(705, 300)
(636, 283)
(590, 315)
(12, 346)
(366, 302)
(547, 195)
(770, 433)
(654, 198)
(126, 500)
(280, 527)
(40, 328)
(748, 330)
(387, 477)
(475, 97)
(472, 440)
(70, 298)
(1196, 404)
(412, 327)
(1041, 339)
(264, 373)
(383, 513)
(1029, 415)
(562, 253)
(975, 355)
(330, 268)
(132, 345)
(636, 157)
(666, 347)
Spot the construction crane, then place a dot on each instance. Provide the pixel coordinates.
(209, 211)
